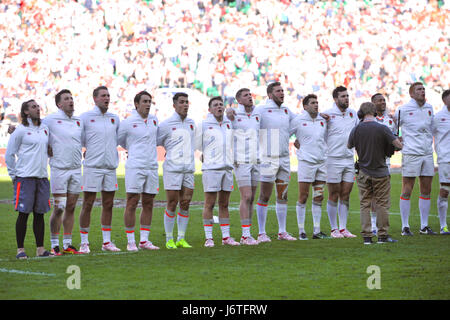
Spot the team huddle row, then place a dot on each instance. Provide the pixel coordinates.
(251, 141)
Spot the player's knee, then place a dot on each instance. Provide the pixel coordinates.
(59, 204)
(184, 204)
(444, 191)
(282, 190)
(303, 197)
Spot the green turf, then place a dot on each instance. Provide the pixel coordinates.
(414, 268)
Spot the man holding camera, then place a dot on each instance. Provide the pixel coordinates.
(373, 143)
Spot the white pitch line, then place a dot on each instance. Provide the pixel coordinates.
(27, 272)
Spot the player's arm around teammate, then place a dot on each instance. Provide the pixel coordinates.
(29, 143)
(137, 134)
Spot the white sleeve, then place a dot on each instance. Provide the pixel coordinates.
(11, 151)
(122, 135)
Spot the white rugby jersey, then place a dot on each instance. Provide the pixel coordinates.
(415, 123)
(246, 136)
(274, 129)
(340, 125)
(388, 121)
(216, 143)
(311, 135)
(177, 136)
(65, 140)
(138, 136)
(100, 139)
(441, 132)
(29, 144)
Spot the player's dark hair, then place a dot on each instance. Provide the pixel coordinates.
(445, 94)
(214, 99)
(138, 97)
(97, 90)
(177, 95)
(59, 94)
(337, 90)
(23, 115)
(271, 86)
(375, 95)
(306, 99)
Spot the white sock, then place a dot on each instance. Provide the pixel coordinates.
(106, 232)
(343, 214)
(442, 205)
(301, 213)
(144, 233)
(54, 239)
(281, 211)
(84, 233)
(67, 240)
(424, 208)
(245, 223)
(332, 214)
(169, 222)
(225, 227)
(405, 208)
(373, 219)
(182, 223)
(208, 227)
(261, 213)
(316, 209)
(130, 234)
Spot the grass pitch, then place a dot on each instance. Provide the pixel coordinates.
(414, 268)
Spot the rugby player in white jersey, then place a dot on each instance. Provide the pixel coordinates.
(177, 134)
(101, 159)
(382, 117)
(215, 143)
(441, 132)
(340, 162)
(415, 120)
(310, 130)
(137, 134)
(65, 169)
(275, 162)
(245, 122)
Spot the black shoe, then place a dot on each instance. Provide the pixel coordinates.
(406, 232)
(386, 240)
(368, 240)
(427, 230)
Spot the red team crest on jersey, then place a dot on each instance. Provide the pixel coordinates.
(46, 133)
(285, 111)
(112, 120)
(154, 123)
(390, 122)
(351, 115)
(191, 126)
(321, 123)
(257, 119)
(228, 126)
(429, 113)
(78, 123)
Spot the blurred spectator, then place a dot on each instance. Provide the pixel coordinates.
(217, 47)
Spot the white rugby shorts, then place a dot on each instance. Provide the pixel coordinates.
(142, 181)
(339, 172)
(96, 179)
(444, 172)
(247, 175)
(416, 166)
(176, 180)
(64, 181)
(275, 168)
(310, 172)
(217, 180)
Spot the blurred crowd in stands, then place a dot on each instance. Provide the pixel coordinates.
(216, 47)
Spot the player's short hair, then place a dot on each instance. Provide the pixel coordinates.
(366, 108)
(415, 84)
(445, 94)
(59, 95)
(178, 95)
(240, 91)
(138, 97)
(97, 90)
(337, 90)
(271, 86)
(213, 99)
(375, 95)
(306, 99)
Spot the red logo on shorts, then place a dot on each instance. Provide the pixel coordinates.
(92, 120)
(443, 119)
(173, 129)
(59, 121)
(304, 124)
(270, 111)
(134, 125)
(411, 113)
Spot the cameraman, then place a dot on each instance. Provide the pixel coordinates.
(373, 143)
